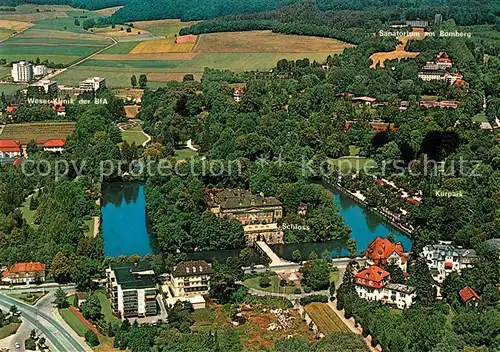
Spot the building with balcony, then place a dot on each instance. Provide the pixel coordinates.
(257, 214)
(93, 83)
(373, 284)
(382, 251)
(190, 278)
(22, 71)
(444, 258)
(131, 289)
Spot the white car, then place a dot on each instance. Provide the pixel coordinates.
(18, 346)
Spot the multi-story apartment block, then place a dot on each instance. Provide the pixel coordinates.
(40, 70)
(373, 284)
(190, 278)
(382, 251)
(93, 83)
(131, 289)
(22, 71)
(46, 87)
(257, 214)
(444, 258)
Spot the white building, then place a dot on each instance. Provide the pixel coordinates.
(24, 273)
(46, 86)
(373, 284)
(40, 70)
(444, 258)
(190, 278)
(22, 71)
(131, 289)
(9, 149)
(94, 83)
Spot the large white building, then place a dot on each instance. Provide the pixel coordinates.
(40, 70)
(94, 83)
(444, 258)
(373, 284)
(46, 86)
(190, 278)
(131, 289)
(22, 71)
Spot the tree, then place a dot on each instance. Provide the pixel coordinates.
(133, 81)
(352, 246)
(91, 338)
(61, 267)
(143, 80)
(188, 78)
(77, 23)
(61, 299)
(296, 255)
(264, 282)
(316, 274)
(129, 30)
(91, 308)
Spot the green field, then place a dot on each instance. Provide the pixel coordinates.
(275, 285)
(181, 154)
(167, 29)
(106, 309)
(7, 330)
(67, 23)
(121, 48)
(73, 321)
(481, 117)
(136, 137)
(133, 64)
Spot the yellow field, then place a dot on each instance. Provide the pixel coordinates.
(116, 32)
(108, 11)
(266, 42)
(325, 318)
(161, 46)
(399, 53)
(14, 25)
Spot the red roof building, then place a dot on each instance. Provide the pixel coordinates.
(9, 149)
(467, 294)
(11, 109)
(382, 251)
(54, 143)
(373, 276)
(24, 273)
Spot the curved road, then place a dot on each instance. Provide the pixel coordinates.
(53, 331)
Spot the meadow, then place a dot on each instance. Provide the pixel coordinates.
(325, 319)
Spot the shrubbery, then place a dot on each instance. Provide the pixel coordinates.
(313, 298)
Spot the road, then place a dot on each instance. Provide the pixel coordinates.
(58, 337)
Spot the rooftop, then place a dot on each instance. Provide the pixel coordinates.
(133, 275)
(231, 198)
(373, 273)
(382, 248)
(401, 288)
(467, 293)
(192, 268)
(24, 268)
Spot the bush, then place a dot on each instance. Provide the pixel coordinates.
(30, 344)
(297, 291)
(264, 282)
(313, 298)
(307, 289)
(91, 338)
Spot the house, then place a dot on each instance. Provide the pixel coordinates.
(9, 149)
(443, 60)
(190, 278)
(60, 110)
(131, 289)
(469, 296)
(237, 94)
(257, 214)
(40, 70)
(24, 273)
(54, 145)
(373, 284)
(382, 251)
(11, 109)
(81, 298)
(302, 208)
(368, 101)
(417, 23)
(444, 258)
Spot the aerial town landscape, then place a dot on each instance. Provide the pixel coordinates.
(223, 176)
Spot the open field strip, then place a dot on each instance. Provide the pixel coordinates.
(132, 64)
(266, 42)
(55, 34)
(108, 11)
(161, 46)
(15, 26)
(29, 13)
(325, 319)
(143, 57)
(26, 132)
(63, 59)
(11, 88)
(118, 32)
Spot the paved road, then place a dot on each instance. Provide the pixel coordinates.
(54, 332)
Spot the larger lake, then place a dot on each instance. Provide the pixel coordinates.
(124, 223)
(125, 227)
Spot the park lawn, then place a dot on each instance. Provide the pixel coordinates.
(136, 137)
(325, 318)
(73, 321)
(11, 88)
(30, 297)
(334, 276)
(8, 330)
(186, 153)
(27, 213)
(481, 117)
(90, 225)
(275, 285)
(106, 309)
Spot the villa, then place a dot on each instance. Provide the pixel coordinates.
(373, 284)
(9, 149)
(444, 258)
(382, 251)
(24, 273)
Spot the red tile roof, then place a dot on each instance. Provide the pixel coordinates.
(17, 162)
(11, 108)
(372, 277)
(467, 293)
(9, 145)
(381, 249)
(24, 268)
(55, 143)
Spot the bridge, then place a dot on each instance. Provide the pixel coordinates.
(276, 262)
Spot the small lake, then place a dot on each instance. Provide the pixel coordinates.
(124, 224)
(125, 227)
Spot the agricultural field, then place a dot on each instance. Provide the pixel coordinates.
(11, 88)
(26, 132)
(29, 13)
(163, 28)
(108, 11)
(157, 46)
(398, 54)
(325, 319)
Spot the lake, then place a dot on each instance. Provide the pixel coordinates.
(125, 227)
